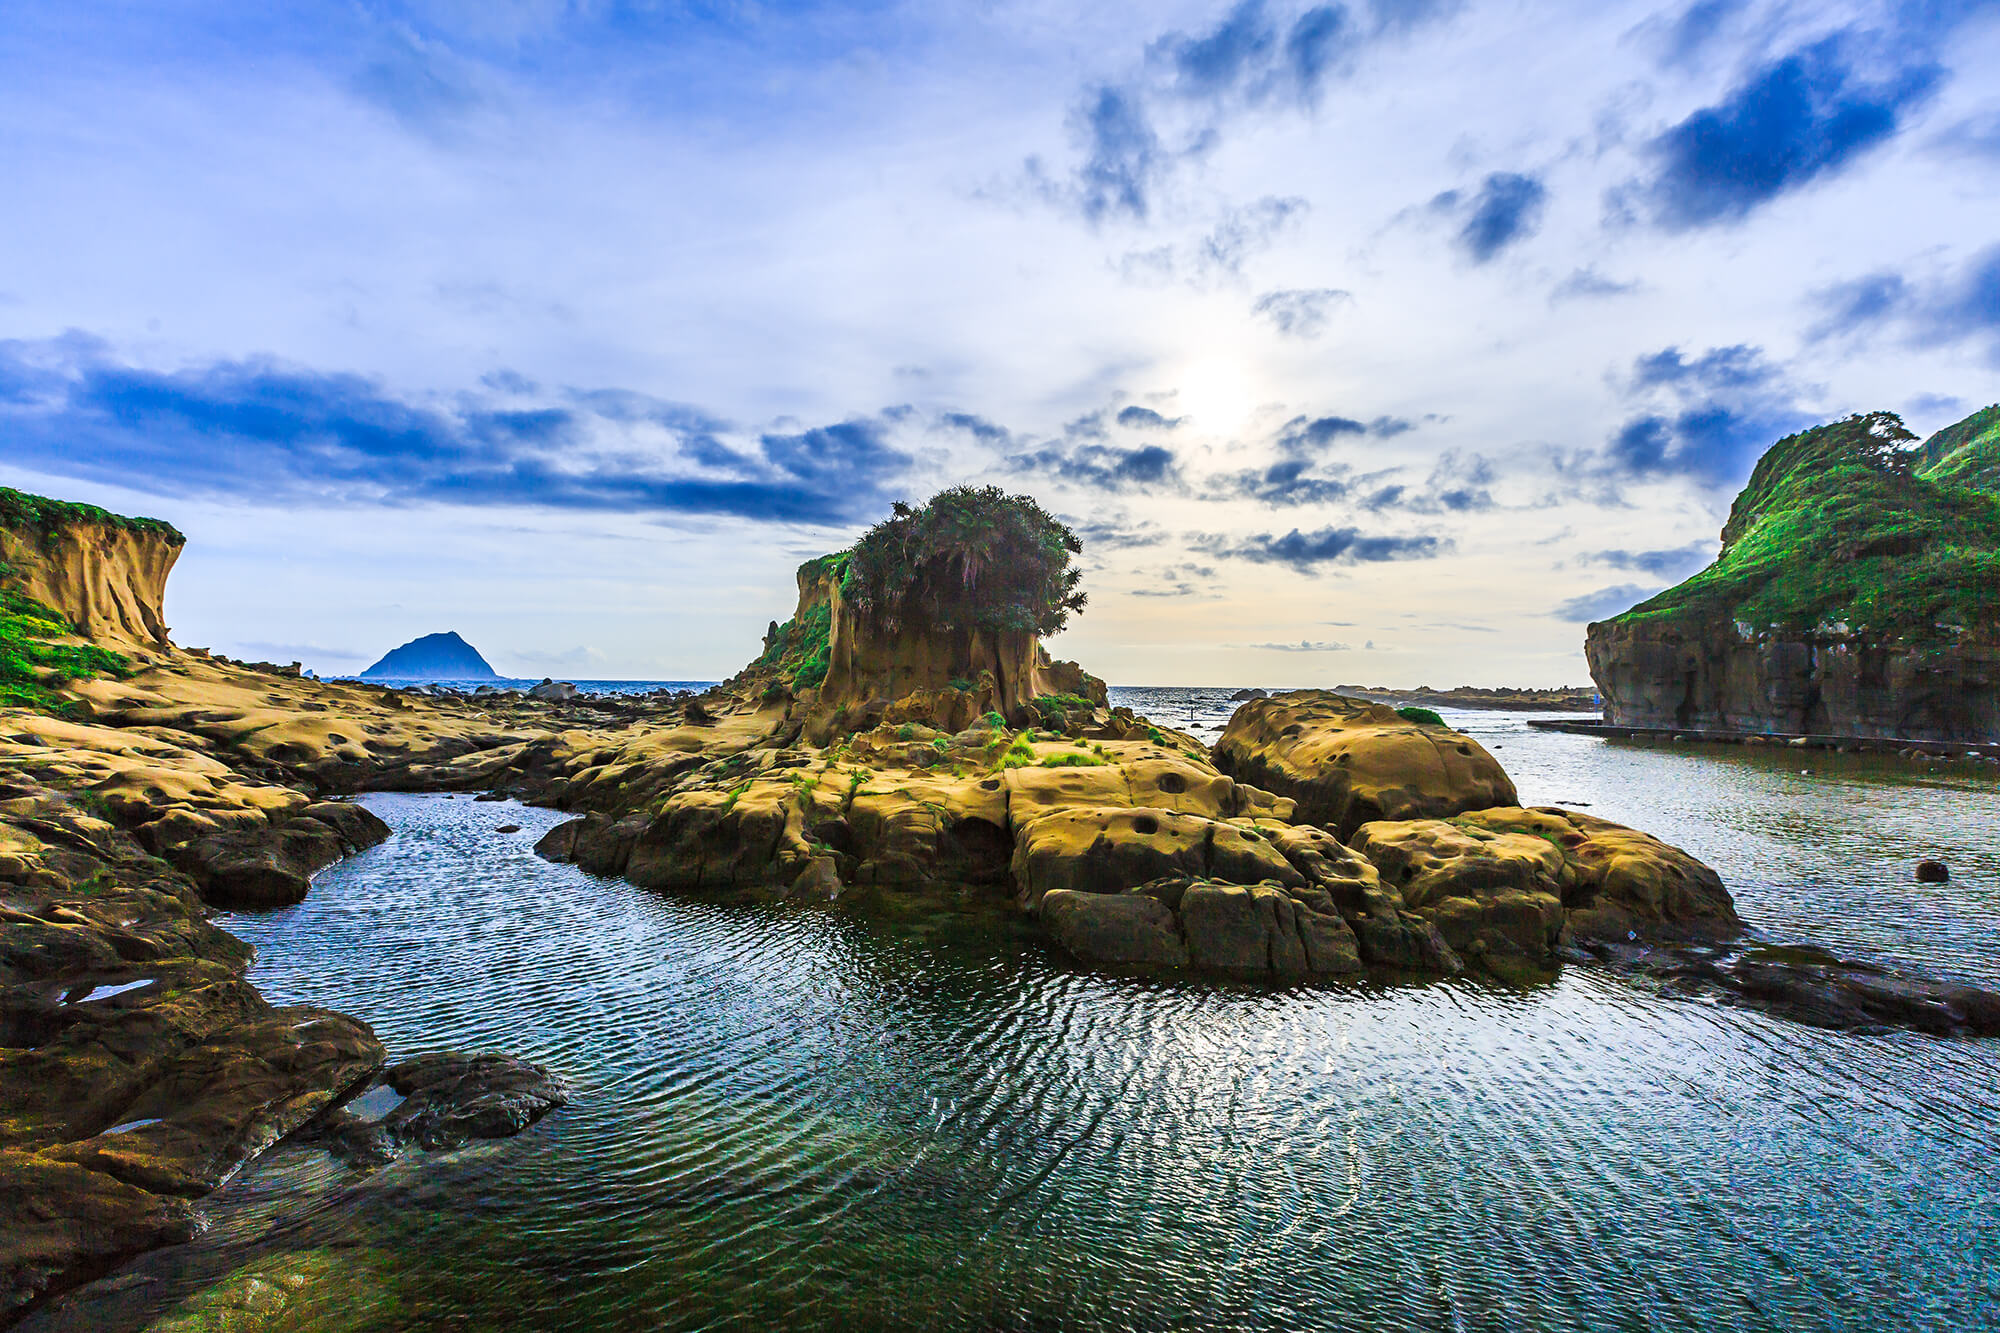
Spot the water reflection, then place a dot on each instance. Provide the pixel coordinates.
(805, 1117)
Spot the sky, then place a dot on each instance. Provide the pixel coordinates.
(1376, 342)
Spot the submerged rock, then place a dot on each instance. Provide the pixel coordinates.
(447, 1098)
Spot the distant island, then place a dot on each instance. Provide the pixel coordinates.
(433, 657)
(1529, 699)
(1857, 595)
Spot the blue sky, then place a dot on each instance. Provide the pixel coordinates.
(1386, 341)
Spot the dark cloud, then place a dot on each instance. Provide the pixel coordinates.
(1123, 155)
(275, 432)
(1317, 43)
(1145, 418)
(1588, 284)
(1114, 534)
(1300, 312)
(1794, 120)
(1288, 483)
(1221, 60)
(1960, 305)
(1604, 603)
(1708, 417)
(1306, 551)
(1197, 82)
(1673, 563)
(1104, 467)
(1507, 209)
(978, 427)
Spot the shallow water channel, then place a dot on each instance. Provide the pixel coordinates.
(920, 1117)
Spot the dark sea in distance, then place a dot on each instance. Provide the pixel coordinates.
(917, 1115)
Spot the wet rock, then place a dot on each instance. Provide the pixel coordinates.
(1933, 872)
(273, 866)
(1513, 882)
(1114, 927)
(1809, 985)
(553, 691)
(1242, 695)
(508, 828)
(447, 1099)
(1347, 762)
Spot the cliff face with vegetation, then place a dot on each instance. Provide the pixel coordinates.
(1857, 594)
(103, 573)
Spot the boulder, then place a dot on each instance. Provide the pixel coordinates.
(1114, 928)
(1491, 895)
(273, 866)
(1509, 884)
(1104, 849)
(553, 691)
(1347, 762)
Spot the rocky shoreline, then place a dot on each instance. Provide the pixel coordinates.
(1321, 837)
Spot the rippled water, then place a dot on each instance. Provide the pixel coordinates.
(915, 1117)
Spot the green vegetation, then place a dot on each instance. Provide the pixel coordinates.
(1073, 761)
(1847, 525)
(1018, 753)
(906, 732)
(20, 511)
(971, 559)
(1054, 708)
(1421, 716)
(32, 668)
(1967, 454)
(799, 649)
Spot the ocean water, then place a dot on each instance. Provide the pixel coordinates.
(913, 1114)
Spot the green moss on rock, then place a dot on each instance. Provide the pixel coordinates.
(22, 512)
(33, 666)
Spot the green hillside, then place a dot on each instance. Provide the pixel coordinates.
(1849, 524)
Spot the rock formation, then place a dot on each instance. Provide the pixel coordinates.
(1325, 837)
(432, 657)
(104, 573)
(1346, 761)
(1856, 595)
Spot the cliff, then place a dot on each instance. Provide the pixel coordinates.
(1857, 593)
(104, 573)
(432, 657)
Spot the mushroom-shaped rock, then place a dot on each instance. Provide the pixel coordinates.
(1347, 762)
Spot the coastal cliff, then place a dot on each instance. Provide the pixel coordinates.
(106, 574)
(1857, 594)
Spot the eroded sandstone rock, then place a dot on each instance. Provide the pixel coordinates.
(1346, 762)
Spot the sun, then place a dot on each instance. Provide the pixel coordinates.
(1219, 395)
